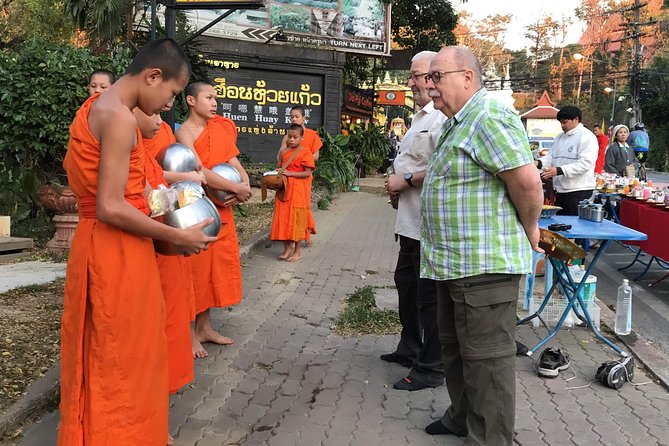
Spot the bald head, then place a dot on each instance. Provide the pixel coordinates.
(456, 77)
(465, 59)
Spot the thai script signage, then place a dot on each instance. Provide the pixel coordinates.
(360, 26)
(259, 103)
(357, 100)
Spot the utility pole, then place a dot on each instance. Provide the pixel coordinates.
(636, 64)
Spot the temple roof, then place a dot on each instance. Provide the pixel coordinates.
(544, 108)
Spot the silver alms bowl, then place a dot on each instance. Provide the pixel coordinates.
(229, 173)
(193, 214)
(178, 158)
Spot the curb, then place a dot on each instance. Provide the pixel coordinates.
(43, 395)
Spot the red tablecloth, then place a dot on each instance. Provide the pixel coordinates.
(650, 219)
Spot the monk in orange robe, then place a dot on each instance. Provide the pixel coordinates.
(290, 220)
(114, 387)
(313, 143)
(175, 271)
(217, 273)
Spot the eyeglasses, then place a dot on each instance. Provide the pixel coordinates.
(417, 76)
(437, 75)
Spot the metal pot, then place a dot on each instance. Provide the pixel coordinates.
(193, 214)
(229, 173)
(178, 158)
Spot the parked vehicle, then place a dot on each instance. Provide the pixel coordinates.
(540, 147)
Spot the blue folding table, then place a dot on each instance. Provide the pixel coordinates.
(580, 229)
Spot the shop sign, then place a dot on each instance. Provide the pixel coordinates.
(259, 102)
(358, 100)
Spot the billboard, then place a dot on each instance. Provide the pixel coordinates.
(360, 26)
(259, 102)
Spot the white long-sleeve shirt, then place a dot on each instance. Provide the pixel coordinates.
(576, 153)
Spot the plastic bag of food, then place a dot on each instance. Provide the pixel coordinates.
(162, 200)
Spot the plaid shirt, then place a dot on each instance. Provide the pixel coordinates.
(469, 224)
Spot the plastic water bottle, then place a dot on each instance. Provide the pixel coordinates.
(623, 324)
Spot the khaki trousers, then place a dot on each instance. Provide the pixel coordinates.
(477, 327)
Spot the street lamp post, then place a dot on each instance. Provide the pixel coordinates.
(613, 101)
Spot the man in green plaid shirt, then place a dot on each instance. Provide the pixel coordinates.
(481, 202)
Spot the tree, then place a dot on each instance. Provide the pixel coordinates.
(423, 24)
(21, 20)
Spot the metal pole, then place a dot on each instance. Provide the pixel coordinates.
(613, 104)
(636, 68)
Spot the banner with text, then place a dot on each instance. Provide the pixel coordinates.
(360, 26)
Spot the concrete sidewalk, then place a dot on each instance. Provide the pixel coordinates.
(14, 275)
(288, 380)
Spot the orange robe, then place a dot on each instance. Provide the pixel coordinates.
(217, 272)
(313, 142)
(113, 343)
(176, 279)
(291, 215)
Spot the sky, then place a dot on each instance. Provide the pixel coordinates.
(524, 13)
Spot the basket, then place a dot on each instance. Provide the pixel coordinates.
(555, 307)
(548, 211)
(560, 247)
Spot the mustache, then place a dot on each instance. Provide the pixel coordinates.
(433, 93)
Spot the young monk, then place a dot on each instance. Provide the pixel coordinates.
(175, 271)
(217, 273)
(290, 219)
(313, 143)
(114, 387)
(99, 81)
(154, 146)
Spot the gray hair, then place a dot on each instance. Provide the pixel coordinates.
(423, 55)
(465, 58)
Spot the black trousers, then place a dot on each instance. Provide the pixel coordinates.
(419, 340)
(568, 201)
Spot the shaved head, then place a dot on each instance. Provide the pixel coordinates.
(164, 54)
(195, 87)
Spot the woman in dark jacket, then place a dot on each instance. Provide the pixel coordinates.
(620, 158)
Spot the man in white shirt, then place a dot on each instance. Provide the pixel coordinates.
(571, 161)
(419, 347)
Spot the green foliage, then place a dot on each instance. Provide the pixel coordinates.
(362, 316)
(323, 203)
(654, 110)
(41, 86)
(26, 19)
(336, 163)
(370, 145)
(423, 24)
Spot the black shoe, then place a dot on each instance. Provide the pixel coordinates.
(401, 360)
(410, 384)
(521, 349)
(552, 361)
(438, 428)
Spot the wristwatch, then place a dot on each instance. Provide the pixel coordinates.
(408, 177)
